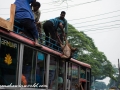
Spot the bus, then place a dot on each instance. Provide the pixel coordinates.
(26, 67)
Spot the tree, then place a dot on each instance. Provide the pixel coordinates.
(89, 53)
(115, 82)
(100, 85)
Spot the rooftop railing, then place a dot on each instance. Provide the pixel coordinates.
(18, 29)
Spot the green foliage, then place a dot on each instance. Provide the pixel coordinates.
(89, 53)
(100, 85)
(116, 81)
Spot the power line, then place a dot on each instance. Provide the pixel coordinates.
(97, 19)
(83, 18)
(78, 18)
(99, 23)
(59, 8)
(99, 28)
(95, 15)
(67, 6)
(49, 2)
(41, 3)
(103, 31)
(87, 21)
(52, 2)
(102, 27)
(72, 6)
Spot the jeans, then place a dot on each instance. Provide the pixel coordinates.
(49, 31)
(29, 26)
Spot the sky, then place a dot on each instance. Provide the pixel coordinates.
(99, 19)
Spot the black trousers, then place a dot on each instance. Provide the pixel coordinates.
(49, 32)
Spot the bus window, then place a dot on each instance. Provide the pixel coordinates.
(82, 73)
(88, 75)
(29, 65)
(88, 79)
(40, 69)
(61, 75)
(83, 77)
(52, 73)
(8, 62)
(75, 80)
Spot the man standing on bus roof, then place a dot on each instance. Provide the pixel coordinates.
(65, 26)
(36, 11)
(50, 27)
(24, 15)
(37, 14)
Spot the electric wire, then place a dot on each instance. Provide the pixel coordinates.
(102, 26)
(95, 15)
(100, 23)
(72, 6)
(96, 20)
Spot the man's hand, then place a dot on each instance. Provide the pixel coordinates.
(64, 36)
(63, 33)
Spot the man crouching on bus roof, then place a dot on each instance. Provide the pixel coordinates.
(25, 16)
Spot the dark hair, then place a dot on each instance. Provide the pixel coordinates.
(63, 12)
(37, 4)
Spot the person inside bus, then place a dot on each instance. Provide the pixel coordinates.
(52, 73)
(23, 80)
(36, 11)
(37, 14)
(50, 27)
(60, 81)
(24, 15)
(65, 25)
(38, 77)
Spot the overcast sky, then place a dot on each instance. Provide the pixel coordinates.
(99, 19)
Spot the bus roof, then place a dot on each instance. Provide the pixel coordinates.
(31, 42)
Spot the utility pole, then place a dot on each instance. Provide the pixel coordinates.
(118, 68)
(118, 74)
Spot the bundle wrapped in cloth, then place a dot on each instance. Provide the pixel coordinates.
(68, 50)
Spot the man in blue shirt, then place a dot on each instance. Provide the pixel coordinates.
(25, 16)
(50, 27)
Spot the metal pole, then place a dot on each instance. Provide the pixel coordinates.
(47, 70)
(118, 73)
(118, 67)
(93, 84)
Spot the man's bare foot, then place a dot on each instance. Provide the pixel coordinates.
(21, 33)
(38, 45)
